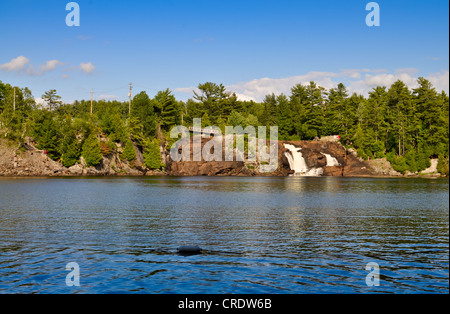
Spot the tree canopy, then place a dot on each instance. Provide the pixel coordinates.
(407, 126)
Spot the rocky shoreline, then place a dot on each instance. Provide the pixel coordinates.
(28, 161)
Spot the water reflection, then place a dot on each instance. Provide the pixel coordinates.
(293, 234)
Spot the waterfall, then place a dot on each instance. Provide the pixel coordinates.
(331, 161)
(298, 164)
(296, 160)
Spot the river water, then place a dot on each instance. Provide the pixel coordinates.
(291, 235)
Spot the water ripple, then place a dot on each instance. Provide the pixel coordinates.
(260, 235)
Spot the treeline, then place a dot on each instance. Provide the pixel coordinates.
(408, 127)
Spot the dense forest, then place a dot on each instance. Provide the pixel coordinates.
(408, 127)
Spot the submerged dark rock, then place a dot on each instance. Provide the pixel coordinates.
(188, 250)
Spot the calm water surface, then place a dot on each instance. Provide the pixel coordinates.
(263, 235)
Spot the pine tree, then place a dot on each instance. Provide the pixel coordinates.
(46, 133)
(70, 151)
(142, 111)
(152, 155)
(169, 107)
(206, 122)
(334, 114)
(129, 152)
(236, 119)
(377, 111)
(52, 99)
(298, 100)
(269, 117)
(91, 151)
(399, 103)
(284, 113)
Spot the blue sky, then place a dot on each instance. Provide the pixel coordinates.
(254, 47)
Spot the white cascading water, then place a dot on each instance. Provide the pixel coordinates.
(331, 161)
(296, 160)
(298, 164)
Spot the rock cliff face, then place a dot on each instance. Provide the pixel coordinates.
(224, 168)
(28, 161)
(314, 154)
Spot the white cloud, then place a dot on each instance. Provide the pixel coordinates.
(17, 64)
(243, 97)
(370, 81)
(440, 80)
(87, 68)
(43, 68)
(39, 101)
(360, 81)
(257, 89)
(22, 64)
(50, 65)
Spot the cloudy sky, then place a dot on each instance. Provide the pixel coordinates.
(254, 47)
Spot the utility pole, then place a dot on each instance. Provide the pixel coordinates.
(14, 100)
(129, 106)
(92, 94)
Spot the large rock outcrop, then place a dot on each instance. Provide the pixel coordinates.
(314, 154)
(218, 168)
(25, 161)
(28, 161)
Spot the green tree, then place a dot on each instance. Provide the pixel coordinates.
(284, 113)
(443, 165)
(236, 119)
(129, 152)
(91, 151)
(152, 155)
(143, 114)
(251, 120)
(213, 99)
(169, 109)
(69, 147)
(313, 109)
(430, 111)
(206, 122)
(46, 133)
(269, 117)
(334, 113)
(298, 101)
(70, 152)
(52, 99)
(377, 115)
(399, 104)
